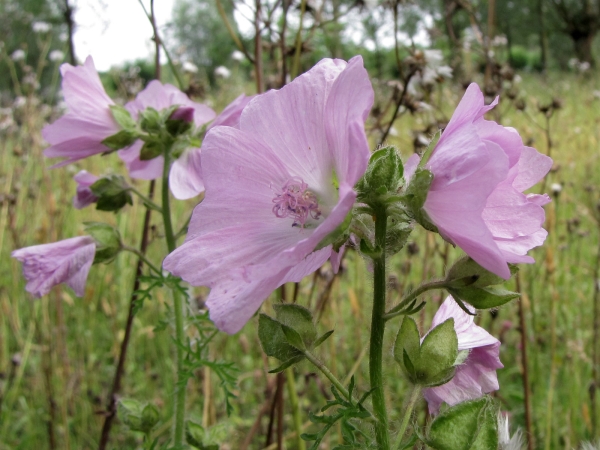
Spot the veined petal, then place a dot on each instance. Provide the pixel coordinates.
(143, 170)
(185, 178)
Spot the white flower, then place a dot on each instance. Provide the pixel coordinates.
(556, 188)
(222, 72)
(19, 102)
(41, 27)
(56, 56)
(584, 66)
(237, 56)
(189, 67)
(18, 55)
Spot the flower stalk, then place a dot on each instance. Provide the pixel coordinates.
(415, 394)
(179, 423)
(377, 330)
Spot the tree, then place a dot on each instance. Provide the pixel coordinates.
(581, 21)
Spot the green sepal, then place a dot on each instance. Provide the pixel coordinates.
(150, 417)
(112, 192)
(397, 234)
(365, 249)
(197, 436)
(293, 337)
(122, 117)
(337, 237)
(151, 149)
(322, 338)
(470, 425)
(416, 195)
(438, 354)
(299, 319)
(176, 127)
(130, 413)
(483, 298)
(150, 120)
(432, 362)
(407, 340)
(121, 139)
(466, 272)
(108, 241)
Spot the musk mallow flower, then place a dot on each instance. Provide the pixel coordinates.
(476, 376)
(88, 121)
(185, 176)
(476, 200)
(83, 195)
(275, 188)
(67, 261)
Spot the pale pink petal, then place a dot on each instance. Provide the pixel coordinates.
(533, 166)
(348, 105)
(230, 116)
(84, 195)
(185, 178)
(410, 166)
(141, 169)
(477, 375)
(67, 261)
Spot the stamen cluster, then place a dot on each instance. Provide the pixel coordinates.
(297, 201)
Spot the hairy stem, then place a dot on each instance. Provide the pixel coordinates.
(178, 428)
(415, 394)
(116, 386)
(291, 383)
(325, 371)
(377, 330)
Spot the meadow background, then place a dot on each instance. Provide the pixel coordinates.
(58, 354)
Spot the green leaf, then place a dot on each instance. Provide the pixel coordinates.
(299, 318)
(273, 340)
(290, 362)
(483, 298)
(195, 434)
(122, 117)
(322, 338)
(438, 353)
(120, 140)
(293, 337)
(339, 236)
(470, 425)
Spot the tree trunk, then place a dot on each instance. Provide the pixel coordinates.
(583, 47)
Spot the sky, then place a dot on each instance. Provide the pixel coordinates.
(115, 31)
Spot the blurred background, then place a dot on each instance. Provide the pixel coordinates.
(58, 354)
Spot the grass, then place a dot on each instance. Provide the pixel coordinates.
(57, 354)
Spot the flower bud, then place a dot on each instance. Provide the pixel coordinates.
(108, 241)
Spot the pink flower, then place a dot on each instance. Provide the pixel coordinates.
(80, 132)
(68, 261)
(185, 177)
(275, 188)
(230, 116)
(477, 374)
(476, 199)
(84, 195)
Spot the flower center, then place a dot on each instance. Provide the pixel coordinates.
(296, 201)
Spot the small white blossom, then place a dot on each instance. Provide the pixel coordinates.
(556, 188)
(222, 72)
(56, 56)
(18, 55)
(504, 439)
(237, 56)
(19, 102)
(41, 27)
(189, 67)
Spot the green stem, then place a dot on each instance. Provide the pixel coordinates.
(377, 329)
(291, 384)
(179, 425)
(143, 258)
(397, 310)
(325, 371)
(149, 203)
(415, 394)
